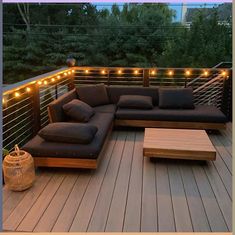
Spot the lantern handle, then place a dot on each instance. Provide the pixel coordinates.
(17, 150)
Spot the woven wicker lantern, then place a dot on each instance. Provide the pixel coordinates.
(18, 170)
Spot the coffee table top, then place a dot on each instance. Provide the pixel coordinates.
(178, 143)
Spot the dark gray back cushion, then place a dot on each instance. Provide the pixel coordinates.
(65, 132)
(94, 95)
(115, 92)
(78, 110)
(55, 108)
(176, 98)
(135, 102)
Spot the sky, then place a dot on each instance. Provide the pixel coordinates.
(175, 6)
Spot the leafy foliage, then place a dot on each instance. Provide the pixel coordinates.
(134, 35)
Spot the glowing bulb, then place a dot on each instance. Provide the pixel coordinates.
(119, 71)
(58, 77)
(69, 72)
(3, 101)
(224, 73)
(28, 89)
(39, 83)
(52, 79)
(136, 71)
(103, 71)
(188, 72)
(206, 73)
(65, 74)
(73, 71)
(153, 72)
(17, 94)
(45, 82)
(86, 71)
(170, 73)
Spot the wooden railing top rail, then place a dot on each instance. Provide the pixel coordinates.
(23, 83)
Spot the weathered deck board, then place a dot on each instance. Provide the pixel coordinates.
(127, 193)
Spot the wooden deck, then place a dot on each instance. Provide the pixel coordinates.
(129, 193)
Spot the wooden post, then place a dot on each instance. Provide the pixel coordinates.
(71, 84)
(146, 78)
(36, 108)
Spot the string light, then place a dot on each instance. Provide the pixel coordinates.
(170, 73)
(224, 73)
(17, 94)
(65, 74)
(39, 83)
(136, 72)
(52, 79)
(73, 71)
(103, 71)
(58, 77)
(206, 73)
(69, 72)
(188, 72)
(45, 82)
(28, 89)
(153, 72)
(119, 71)
(86, 71)
(3, 101)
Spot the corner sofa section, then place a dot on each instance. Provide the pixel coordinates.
(54, 154)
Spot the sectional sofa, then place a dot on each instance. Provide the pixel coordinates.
(99, 108)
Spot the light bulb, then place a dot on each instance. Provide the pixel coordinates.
(206, 73)
(153, 72)
(65, 74)
(188, 72)
(119, 71)
(45, 82)
(52, 79)
(28, 89)
(86, 71)
(58, 77)
(170, 73)
(39, 83)
(103, 71)
(73, 71)
(17, 94)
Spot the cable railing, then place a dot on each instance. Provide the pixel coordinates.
(25, 103)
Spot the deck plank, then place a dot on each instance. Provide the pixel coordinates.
(34, 215)
(182, 215)
(149, 219)
(221, 193)
(166, 222)
(28, 201)
(97, 222)
(196, 208)
(51, 214)
(117, 208)
(214, 215)
(84, 213)
(133, 208)
(67, 214)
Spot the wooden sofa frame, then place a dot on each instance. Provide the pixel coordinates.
(170, 124)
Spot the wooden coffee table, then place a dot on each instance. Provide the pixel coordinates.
(178, 144)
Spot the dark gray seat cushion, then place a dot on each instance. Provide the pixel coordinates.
(135, 102)
(199, 114)
(93, 95)
(39, 147)
(176, 98)
(65, 132)
(55, 108)
(78, 110)
(114, 92)
(108, 108)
